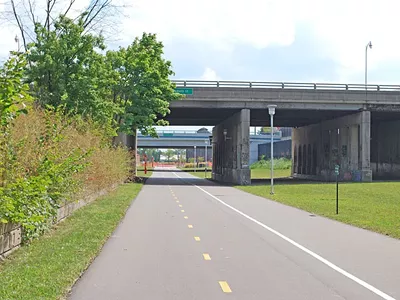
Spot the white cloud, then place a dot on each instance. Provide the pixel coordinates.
(210, 74)
(342, 28)
(220, 24)
(345, 27)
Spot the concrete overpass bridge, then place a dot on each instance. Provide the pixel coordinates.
(353, 125)
(299, 104)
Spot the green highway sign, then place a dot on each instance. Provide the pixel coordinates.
(184, 91)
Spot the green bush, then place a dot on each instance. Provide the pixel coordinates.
(189, 165)
(279, 164)
(53, 159)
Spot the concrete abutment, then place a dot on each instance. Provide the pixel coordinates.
(385, 150)
(231, 151)
(344, 141)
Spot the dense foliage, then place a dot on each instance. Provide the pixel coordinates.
(61, 148)
(127, 89)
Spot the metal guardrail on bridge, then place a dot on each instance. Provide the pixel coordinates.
(286, 85)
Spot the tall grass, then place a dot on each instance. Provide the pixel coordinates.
(51, 159)
(104, 165)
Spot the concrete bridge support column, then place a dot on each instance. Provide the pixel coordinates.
(385, 149)
(231, 152)
(345, 141)
(365, 145)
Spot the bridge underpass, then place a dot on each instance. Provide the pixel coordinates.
(355, 126)
(201, 139)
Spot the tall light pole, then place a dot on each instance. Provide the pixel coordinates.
(195, 159)
(271, 111)
(205, 158)
(369, 45)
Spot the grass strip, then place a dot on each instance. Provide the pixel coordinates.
(49, 266)
(255, 173)
(266, 173)
(374, 206)
(140, 173)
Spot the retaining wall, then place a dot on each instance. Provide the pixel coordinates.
(11, 234)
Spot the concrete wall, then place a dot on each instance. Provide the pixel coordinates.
(231, 155)
(10, 234)
(345, 141)
(385, 150)
(10, 238)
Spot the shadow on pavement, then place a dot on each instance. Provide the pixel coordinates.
(176, 181)
(155, 179)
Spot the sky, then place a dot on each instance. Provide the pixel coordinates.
(265, 40)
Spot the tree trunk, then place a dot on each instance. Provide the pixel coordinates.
(132, 144)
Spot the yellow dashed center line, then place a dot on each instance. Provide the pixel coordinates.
(190, 226)
(225, 287)
(180, 205)
(177, 201)
(206, 256)
(197, 239)
(182, 210)
(185, 217)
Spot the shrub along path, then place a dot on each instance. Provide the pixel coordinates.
(48, 267)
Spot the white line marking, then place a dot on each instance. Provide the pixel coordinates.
(308, 251)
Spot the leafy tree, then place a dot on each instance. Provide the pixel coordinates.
(169, 154)
(68, 70)
(155, 153)
(14, 93)
(142, 87)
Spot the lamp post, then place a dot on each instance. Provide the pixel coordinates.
(369, 45)
(271, 111)
(17, 41)
(195, 159)
(205, 159)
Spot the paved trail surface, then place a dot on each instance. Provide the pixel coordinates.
(187, 238)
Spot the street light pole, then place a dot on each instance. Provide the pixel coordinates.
(369, 45)
(195, 159)
(271, 111)
(17, 41)
(205, 158)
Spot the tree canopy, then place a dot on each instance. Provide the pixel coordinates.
(142, 88)
(68, 70)
(128, 89)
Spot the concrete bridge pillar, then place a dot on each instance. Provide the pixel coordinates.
(231, 152)
(365, 145)
(343, 141)
(385, 149)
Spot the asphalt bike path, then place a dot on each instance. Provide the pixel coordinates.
(189, 238)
